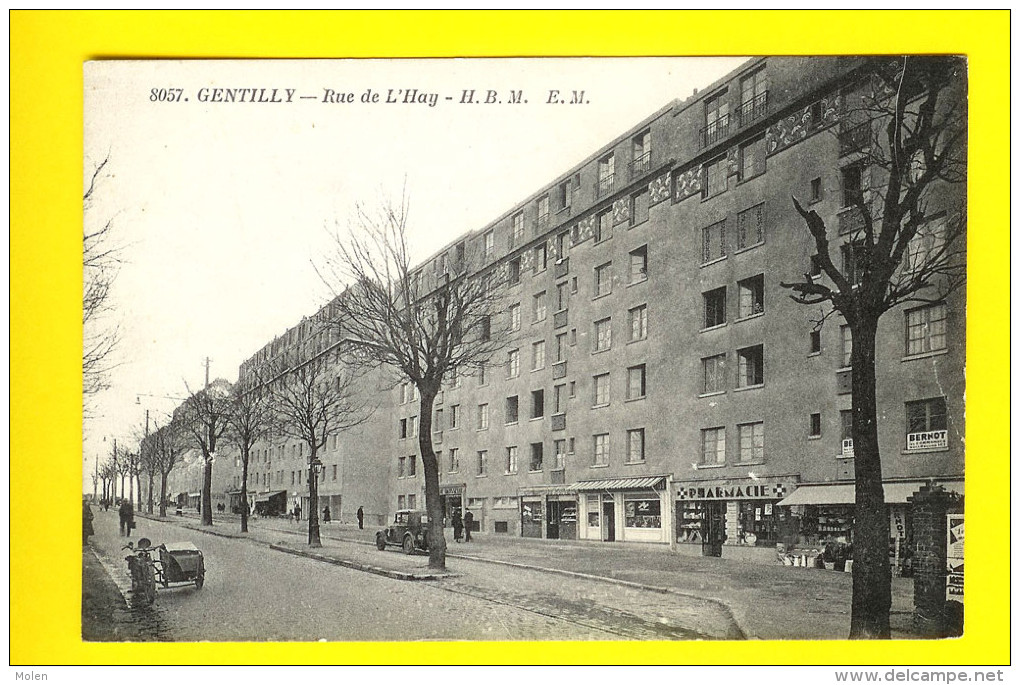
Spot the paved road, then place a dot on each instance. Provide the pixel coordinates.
(253, 593)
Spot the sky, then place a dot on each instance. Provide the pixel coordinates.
(222, 208)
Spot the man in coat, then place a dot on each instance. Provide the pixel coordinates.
(469, 519)
(458, 525)
(361, 518)
(127, 517)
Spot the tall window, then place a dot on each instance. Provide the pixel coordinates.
(846, 433)
(600, 389)
(541, 257)
(538, 307)
(754, 90)
(846, 345)
(515, 317)
(713, 242)
(454, 416)
(752, 158)
(537, 404)
(559, 399)
(511, 460)
(401, 468)
(543, 211)
(715, 307)
(517, 228)
(715, 178)
(607, 175)
(635, 445)
(926, 329)
(641, 152)
(536, 457)
(483, 416)
(538, 355)
(815, 425)
(714, 370)
(562, 295)
(752, 296)
(482, 376)
(411, 466)
(749, 367)
(561, 347)
(454, 457)
(713, 446)
(563, 194)
(512, 409)
(560, 452)
(751, 226)
(513, 363)
(639, 207)
(638, 322)
(717, 118)
(483, 462)
(604, 226)
(603, 337)
(488, 245)
(603, 279)
(600, 453)
(752, 441)
(639, 264)
(853, 184)
(927, 248)
(636, 382)
(926, 424)
(513, 273)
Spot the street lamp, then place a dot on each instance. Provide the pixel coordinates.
(315, 468)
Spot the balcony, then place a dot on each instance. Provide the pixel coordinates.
(851, 220)
(641, 165)
(715, 131)
(844, 382)
(605, 185)
(754, 109)
(437, 437)
(854, 139)
(559, 370)
(560, 319)
(561, 268)
(559, 422)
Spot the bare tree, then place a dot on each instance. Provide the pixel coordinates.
(250, 418)
(204, 416)
(311, 402)
(168, 445)
(421, 324)
(900, 241)
(100, 262)
(108, 475)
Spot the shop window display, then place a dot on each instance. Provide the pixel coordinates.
(757, 523)
(689, 517)
(642, 511)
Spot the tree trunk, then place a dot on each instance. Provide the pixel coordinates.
(245, 455)
(162, 494)
(207, 491)
(872, 578)
(313, 502)
(148, 505)
(430, 467)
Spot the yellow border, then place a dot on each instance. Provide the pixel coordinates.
(47, 50)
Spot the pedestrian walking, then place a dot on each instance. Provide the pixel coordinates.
(127, 517)
(86, 521)
(458, 525)
(297, 512)
(469, 519)
(325, 514)
(361, 518)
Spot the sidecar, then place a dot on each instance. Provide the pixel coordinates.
(180, 563)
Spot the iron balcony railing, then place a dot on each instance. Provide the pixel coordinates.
(755, 108)
(640, 165)
(604, 186)
(715, 131)
(851, 219)
(854, 139)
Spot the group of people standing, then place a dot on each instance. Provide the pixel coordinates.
(462, 526)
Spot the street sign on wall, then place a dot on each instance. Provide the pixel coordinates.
(954, 557)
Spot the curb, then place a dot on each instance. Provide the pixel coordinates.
(377, 570)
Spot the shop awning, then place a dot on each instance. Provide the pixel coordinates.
(266, 496)
(647, 482)
(547, 490)
(843, 493)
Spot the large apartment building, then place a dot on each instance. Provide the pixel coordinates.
(660, 385)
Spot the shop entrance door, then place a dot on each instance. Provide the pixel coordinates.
(713, 529)
(609, 521)
(451, 503)
(552, 519)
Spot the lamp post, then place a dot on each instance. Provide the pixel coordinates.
(315, 468)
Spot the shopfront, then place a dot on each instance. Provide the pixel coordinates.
(549, 511)
(732, 517)
(271, 503)
(451, 497)
(623, 509)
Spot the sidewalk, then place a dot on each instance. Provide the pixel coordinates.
(767, 601)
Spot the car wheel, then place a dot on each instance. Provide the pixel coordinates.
(408, 544)
(380, 542)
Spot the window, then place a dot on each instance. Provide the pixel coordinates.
(815, 429)
(751, 293)
(403, 428)
(538, 355)
(635, 446)
(410, 501)
(846, 345)
(714, 372)
(603, 279)
(815, 345)
(537, 404)
(713, 242)
(717, 119)
(513, 274)
(853, 262)
(562, 296)
(413, 426)
(561, 347)
(752, 158)
(926, 424)
(853, 184)
(483, 416)
(488, 245)
(639, 264)
(559, 399)
(604, 226)
(562, 245)
(641, 153)
(846, 433)
(606, 175)
(401, 468)
(753, 97)
(563, 194)
(639, 207)
(926, 329)
(543, 212)
(751, 227)
(400, 502)
(515, 316)
(454, 458)
(713, 446)
(483, 459)
(600, 453)
(816, 189)
(715, 307)
(636, 382)
(749, 367)
(511, 460)
(715, 178)
(411, 466)
(538, 307)
(513, 363)
(482, 376)
(512, 409)
(541, 257)
(437, 423)
(603, 337)
(560, 452)
(927, 248)
(536, 456)
(752, 441)
(638, 322)
(600, 390)
(516, 229)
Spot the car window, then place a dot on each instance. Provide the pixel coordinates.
(400, 517)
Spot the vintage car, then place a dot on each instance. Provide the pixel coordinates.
(408, 531)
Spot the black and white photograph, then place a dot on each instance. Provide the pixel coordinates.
(524, 349)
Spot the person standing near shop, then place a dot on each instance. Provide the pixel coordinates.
(458, 525)
(469, 519)
(325, 514)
